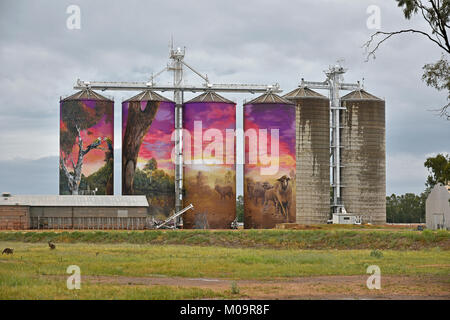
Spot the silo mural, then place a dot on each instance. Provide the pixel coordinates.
(209, 122)
(270, 167)
(147, 168)
(86, 144)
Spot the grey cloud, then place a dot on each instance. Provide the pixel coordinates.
(257, 41)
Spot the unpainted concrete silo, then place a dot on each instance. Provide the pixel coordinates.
(363, 156)
(313, 155)
(86, 144)
(148, 121)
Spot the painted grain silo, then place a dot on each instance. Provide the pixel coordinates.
(270, 167)
(363, 158)
(86, 144)
(209, 123)
(312, 115)
(148, 120)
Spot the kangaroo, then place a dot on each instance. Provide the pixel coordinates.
(8, 251)
(51, 245)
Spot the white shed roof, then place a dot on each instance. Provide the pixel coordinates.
(75, 201)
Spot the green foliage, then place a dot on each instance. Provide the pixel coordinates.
(75, 113)
(279, 239)
(151, 165)
(234, 288)
(376, 254)
(152, 182)
(407, 208)
(99, 178)
(64, 183)
(439, 168)
(410, 208)
(437, 75)
(435, 15)
(240, 209)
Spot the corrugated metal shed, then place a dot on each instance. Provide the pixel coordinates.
(303, 92)
(210, 96)
(87, 94)
(74, 201)
(269, 97)
(437, 209)
(148, 95)
(360, 95)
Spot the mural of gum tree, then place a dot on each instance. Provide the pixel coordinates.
(86, 119)
(270, 162)
(147, 124)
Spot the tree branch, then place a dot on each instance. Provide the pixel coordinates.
(390, 34)
(429, 21)
(80, 151)
(73, 164)
(442, 112)
(66, 171)
(441, 24)
(63, 166)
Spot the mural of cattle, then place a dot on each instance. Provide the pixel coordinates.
(224, 191)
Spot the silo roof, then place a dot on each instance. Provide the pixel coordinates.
(210, 96)
(359, 95)
(269, 97)
(87, 94)
(303, 92)
(148, 95)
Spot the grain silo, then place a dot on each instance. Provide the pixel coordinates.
(209, 123)
(148, 121)
(363, 158)
(312, 115)
(86, 144)
(270, 168)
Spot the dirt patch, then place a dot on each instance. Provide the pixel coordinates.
(434, 266)
(322, 287)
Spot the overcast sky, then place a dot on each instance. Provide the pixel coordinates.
(231, 41)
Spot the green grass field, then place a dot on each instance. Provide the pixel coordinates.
(35, 272)
(294, 239)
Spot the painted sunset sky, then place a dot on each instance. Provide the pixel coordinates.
(157, 142)
(95, 159)
(272, 116)
(213, 115)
